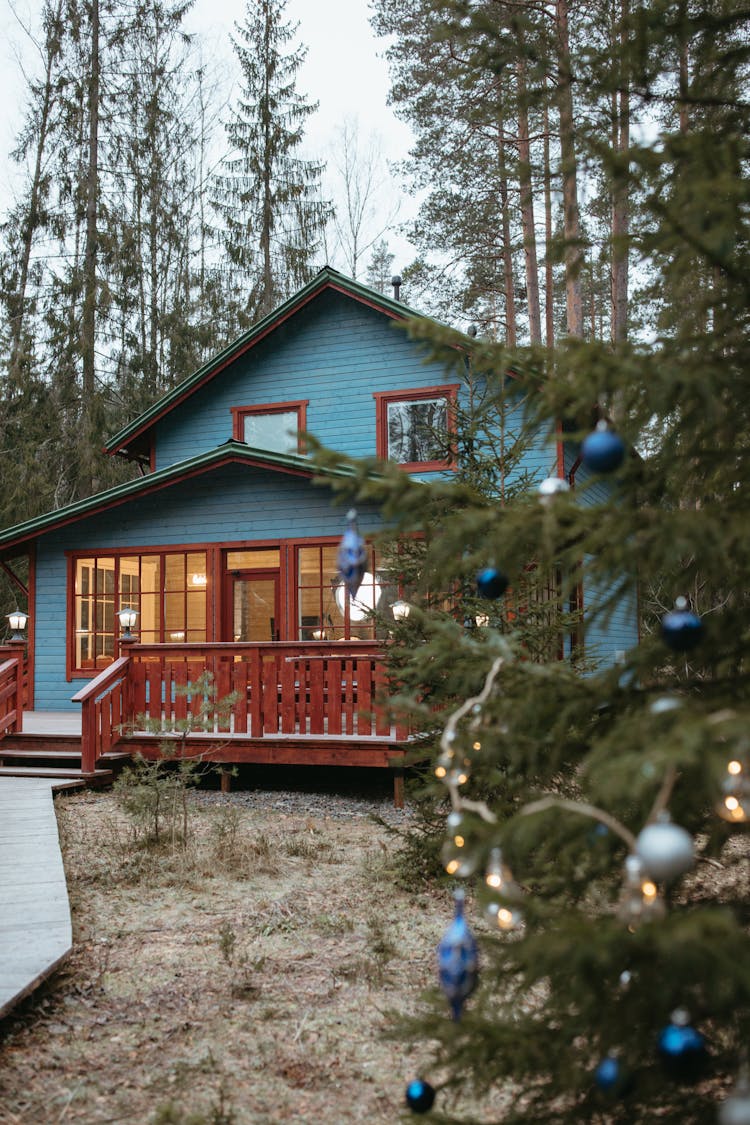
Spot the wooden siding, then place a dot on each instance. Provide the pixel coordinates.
(335, 352)
(235, 504)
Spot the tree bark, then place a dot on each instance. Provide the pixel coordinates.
(571, 219)
(620, 191)
(527, 208)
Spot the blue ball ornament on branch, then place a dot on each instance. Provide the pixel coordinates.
(681, 629)
(491, 582)
(603, 451)
(420, 1096)
(682, 1049)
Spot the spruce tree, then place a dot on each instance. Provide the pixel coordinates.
(614, 980)
(268, 196)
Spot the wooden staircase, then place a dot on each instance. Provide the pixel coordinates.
(58, 757)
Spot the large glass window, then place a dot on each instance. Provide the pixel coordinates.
(273, 426)
(415, 428)
(326, 612)
(168, 591)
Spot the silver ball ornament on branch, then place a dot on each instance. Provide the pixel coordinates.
(736, 1109)
(665, 850)
(552, 487)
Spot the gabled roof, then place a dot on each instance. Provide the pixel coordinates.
(327, 279)
(231, 452)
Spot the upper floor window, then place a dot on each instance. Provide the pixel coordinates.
(415, 428)
(276, 426)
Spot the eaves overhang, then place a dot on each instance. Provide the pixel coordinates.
(15, 538)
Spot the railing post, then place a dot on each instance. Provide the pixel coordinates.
(18, 649)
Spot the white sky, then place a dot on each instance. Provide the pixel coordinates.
(345, 71)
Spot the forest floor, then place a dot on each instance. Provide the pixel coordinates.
(249, 977)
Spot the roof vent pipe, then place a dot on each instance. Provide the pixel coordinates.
(396, 283)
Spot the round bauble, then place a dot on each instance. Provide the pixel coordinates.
(551, 487)
(612, 1077)
(491, 582)
(682, 1049)
(603, 450)
(681, 629)
(420, 1096)
(665, 850)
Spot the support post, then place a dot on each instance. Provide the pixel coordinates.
(398, 787)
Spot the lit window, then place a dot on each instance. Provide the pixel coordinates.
(415, 428)
(273, 426)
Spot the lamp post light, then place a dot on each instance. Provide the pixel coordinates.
(127, 618)
(17, 621)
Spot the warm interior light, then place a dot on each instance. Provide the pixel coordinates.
(649, 890)
(731, 803)
(199, 580)
(734, 767)
(366, 600)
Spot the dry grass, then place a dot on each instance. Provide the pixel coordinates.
(248, 978)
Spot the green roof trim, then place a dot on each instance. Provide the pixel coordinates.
(230, 452)
(327, 278)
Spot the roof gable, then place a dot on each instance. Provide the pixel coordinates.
(327, 280)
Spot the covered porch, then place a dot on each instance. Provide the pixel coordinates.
(296, 703)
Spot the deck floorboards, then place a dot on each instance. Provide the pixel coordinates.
(35, 926)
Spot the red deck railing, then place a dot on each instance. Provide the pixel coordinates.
(11, 695)
(282, 689)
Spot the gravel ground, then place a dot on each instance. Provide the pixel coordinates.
(317, 792)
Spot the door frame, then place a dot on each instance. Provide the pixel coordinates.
(232, 576)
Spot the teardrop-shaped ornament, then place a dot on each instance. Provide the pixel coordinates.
(457, 960)
(352, 556)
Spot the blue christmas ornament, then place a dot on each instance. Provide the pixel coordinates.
(682, 1049)
(608, 1073)
(457, 959)
(680, 628)
(491, 582)
(352, 556)
(603, 450)
(420, 1096)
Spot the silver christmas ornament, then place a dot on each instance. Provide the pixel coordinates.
(736, 1109)
(665, 849)
(551, 487)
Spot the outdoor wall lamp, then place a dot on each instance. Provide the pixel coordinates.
(17, 621)
(127, 620)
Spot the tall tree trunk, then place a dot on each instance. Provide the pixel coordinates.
(620, 190)
(90, 259)
(30, 221)
(549, 278)
(527, 207)
(571, 220)
(508, 286)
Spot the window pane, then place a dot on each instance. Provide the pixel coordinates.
(150, 582)
(277, 431)
(416, 430)
(196, 570)
(174, 617)
(174, 570)
(264, 558)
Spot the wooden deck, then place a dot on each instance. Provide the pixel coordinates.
(52, 722)
(35, 927)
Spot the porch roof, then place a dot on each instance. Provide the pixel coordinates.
(231, 452)
(131, 437)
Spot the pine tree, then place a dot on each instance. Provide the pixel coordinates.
(588, 961)
(268, 197)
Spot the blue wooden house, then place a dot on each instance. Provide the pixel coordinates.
(227, 551)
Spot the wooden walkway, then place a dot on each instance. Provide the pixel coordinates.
(35, 929)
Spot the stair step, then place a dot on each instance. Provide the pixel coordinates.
(50, 755)
(98, 777)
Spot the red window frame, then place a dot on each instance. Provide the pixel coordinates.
(74, 557)
(299, 406)
(448, 391)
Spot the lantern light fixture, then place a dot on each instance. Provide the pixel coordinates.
(127, 618)
(400, 610)
(17, 621)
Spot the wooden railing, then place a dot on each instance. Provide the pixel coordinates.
(105, 711)
(11, 695)
(281, 689)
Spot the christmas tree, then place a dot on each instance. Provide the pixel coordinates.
(595, 815)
